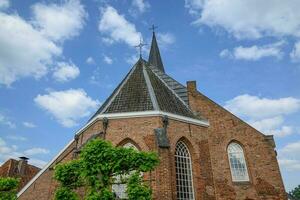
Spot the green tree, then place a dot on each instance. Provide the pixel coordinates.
(8, 188)
(295, 192)
(98, 163)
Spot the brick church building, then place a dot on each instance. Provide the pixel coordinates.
(206, 153)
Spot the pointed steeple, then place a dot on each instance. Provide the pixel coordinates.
(154, 55)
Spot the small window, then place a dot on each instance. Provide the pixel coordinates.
(237, 163)
(120, 188)
(184, 179)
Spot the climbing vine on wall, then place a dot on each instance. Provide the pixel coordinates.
(98, 163)
(8, 188)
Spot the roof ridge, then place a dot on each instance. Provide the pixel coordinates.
(171, 90)
(150, 89)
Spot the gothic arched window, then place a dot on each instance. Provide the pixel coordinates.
(184, 177)
(237, 162)
(119, 188)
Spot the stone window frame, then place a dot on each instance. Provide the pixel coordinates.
(181, 141)
(245, 181)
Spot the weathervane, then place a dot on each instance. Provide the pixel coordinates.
(153, 28)
(140, 46)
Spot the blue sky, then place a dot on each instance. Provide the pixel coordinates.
(59, 60)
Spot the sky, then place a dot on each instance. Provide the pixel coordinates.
(59, 60)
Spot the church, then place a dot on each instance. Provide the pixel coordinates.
(206, 152)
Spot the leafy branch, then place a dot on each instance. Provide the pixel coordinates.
(98, 163)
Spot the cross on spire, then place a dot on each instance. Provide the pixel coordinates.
(153, 27)
(140, 46)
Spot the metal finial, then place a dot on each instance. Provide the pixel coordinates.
(140, 46)
(153, 27)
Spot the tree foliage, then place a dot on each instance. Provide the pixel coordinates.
(295, 192)
(136, 188)
(8, 188)
(98, 163)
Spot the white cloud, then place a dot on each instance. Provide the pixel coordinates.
(140, 5)
(60, 22)
(51, 24)
(282, 132)
(11, 151)
(5, 149)
(293, 148)
(29, 124)
(295, 54)
(65, 72)
(20, 57)
(35, 151)
(90, 61)
(101, 80)
(67, 106)
(96, 77)
(256, 107)
(289, 156)
(116, 28)
(268, 123)
(254, 52)
(289, 164)
(4, 4)
(273, 126)
(266, 115)
(107, 59)
(5, 121)
(248, 18)
(16, 138)
(132, 59)
(107, 40)
(257, 52)
(165, 39)
(226, 53)
(37, 162)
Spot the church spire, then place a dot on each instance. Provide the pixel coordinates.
(154, 56)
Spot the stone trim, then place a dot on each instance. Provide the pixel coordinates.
(150, 90)
(152, 114)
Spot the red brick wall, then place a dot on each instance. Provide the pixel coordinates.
(5, 168)
(141, 132)
(265, 178)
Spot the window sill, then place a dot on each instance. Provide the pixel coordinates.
(241, 183)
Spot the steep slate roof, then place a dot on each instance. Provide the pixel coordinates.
(148, 88)
(143, 90)
(178, 88)
(154, 55)
(134, 95)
